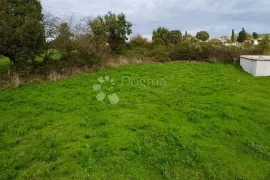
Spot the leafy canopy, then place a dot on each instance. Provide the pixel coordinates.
(242, 37)
(113, 28)
(175, 36)
(202, 35)
(255, 35)
(21, 30)
(167, 36)
(161, 33)
(64, 41)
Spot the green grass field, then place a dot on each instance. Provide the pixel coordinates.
(208, 121)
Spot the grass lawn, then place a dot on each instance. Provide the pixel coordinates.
(210, 121)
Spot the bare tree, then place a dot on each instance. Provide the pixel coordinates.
(51, 24)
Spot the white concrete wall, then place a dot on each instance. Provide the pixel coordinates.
(256, 42)
(263, 68)
(249, 66)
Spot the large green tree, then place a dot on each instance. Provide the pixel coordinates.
(114, 28)
(202, 35)
(255, 35)
(161, 33)
(233, 36)
(175, 36)
(167, 36)
(21, 29)
(64, 41)
(242, 37)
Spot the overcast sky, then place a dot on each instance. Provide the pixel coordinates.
(218, 17)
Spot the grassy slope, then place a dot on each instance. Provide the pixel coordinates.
(211, 122)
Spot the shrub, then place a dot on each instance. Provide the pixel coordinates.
(160, 54)
(157, 42)
(137, 47)
(91, 50)
(215, 42)
(139, 41)
(161, 33)
(186, 50)
(202, 35)
(264, 46)
(64, 43)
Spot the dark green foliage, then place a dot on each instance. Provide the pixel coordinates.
(215, 42)
(114, 28)
(160, 53)
(21, 30)
(161, 33)
(175, 36)
(233, 36)
(202, 35)
(139, 41)
(167, 36)
(91, 50)
(242, 37)
(264, 46)
(158, 42)
(255, 35)
(212, 50)
(138, 47)
(186, 50)
(64, 41)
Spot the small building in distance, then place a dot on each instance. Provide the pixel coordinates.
(256, 65)
(226, 40)
(257, 41)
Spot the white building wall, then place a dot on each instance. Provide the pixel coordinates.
(263, 68)
(256, 42)
(249, 66)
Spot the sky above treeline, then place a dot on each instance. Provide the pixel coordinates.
(218, 17)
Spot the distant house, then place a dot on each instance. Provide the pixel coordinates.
(225, 39)
(257, 41)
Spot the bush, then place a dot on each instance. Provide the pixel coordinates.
(264, 46)
(139, 41)
(186, 50)
(160, 54)
(91, 50)
(137, 47)
(202, 35)
(214, 51)
(230, 54)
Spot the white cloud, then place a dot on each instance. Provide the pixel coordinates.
(216, 16)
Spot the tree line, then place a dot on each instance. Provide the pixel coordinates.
(27, 32)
